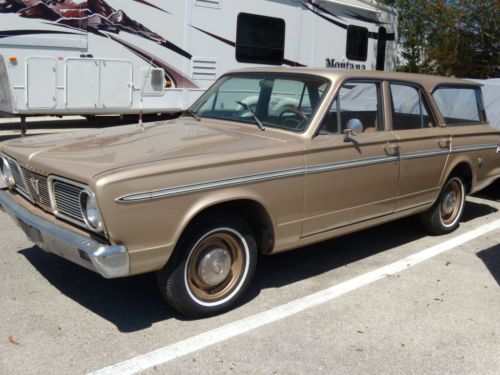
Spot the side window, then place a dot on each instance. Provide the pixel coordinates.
(357, 43)
(409, 109)
(460, 105)
(260, 40)
(355, 101)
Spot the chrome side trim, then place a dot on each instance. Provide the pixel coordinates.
(351, 164)
(455, 150)
(187, 189)
(424, 154)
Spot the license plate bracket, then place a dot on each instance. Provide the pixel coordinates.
(32, 233)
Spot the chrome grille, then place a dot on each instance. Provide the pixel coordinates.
(37, 186)
(18, 177)
(67, 200)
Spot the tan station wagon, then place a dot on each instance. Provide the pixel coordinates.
(266, 160)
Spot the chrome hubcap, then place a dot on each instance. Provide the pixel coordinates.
(449, 203)
(215, 266)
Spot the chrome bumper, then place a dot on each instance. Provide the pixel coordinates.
(108, 261)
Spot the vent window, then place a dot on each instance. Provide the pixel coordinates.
(260, 40)
(357, 43)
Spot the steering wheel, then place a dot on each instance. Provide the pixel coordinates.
(294, 111)
(293, 122)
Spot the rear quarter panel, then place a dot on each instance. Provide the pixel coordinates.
(478, 146)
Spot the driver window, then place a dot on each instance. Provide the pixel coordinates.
(355, 100)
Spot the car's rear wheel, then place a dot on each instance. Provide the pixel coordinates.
(444, 216)
(211, 267)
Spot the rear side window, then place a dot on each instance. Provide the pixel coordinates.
(409, 108)
(460, 105)
(357, 101)
(357, 43)
(260, 40)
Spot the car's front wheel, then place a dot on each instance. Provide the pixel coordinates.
(211, 267)
(444, 216)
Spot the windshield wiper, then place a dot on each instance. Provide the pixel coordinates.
(192, 114)
(254, 115)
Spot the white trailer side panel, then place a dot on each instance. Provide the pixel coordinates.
(41, 82)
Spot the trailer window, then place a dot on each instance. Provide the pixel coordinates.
(260, 40)
(460, 105)
(357, 43)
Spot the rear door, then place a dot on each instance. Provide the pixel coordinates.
(424, 145)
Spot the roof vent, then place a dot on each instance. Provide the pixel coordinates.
(208, 3)
(204, 68)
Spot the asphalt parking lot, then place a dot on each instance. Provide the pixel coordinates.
(440, 315)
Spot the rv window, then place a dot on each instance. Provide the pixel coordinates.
(460, 105)
(357, 43)
(260, 40)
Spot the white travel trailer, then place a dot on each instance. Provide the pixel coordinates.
(95, 57)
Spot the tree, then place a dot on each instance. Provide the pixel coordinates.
(449, 37)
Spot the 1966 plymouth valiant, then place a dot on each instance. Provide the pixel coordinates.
(267, 160)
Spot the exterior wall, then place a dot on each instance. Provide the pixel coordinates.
(185, 39)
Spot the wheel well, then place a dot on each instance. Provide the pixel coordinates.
(464, 170)
(255, 215)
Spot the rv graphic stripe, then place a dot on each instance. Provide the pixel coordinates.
(233, 44)
(310, 2)
(179, 79)
(9, 33)
(337, 23)
(228, 42)
(93, 16)
(316, 8)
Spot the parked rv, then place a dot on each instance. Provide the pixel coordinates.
(95, 57)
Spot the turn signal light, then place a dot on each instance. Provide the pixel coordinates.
(13, 60)
(168, 84)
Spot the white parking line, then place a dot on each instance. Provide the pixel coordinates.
(217, 335)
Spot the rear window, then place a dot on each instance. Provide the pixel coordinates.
(460, 105)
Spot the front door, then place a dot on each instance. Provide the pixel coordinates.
(351, 178)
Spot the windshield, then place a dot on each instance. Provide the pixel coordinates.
(280, 101)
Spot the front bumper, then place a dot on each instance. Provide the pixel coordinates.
(109, 261)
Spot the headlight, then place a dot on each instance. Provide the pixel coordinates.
(7, 177)
(90, 211)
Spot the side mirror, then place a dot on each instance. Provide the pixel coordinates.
(354, 127)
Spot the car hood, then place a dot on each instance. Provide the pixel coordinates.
(84, 154)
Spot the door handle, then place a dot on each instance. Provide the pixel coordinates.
(392, 149)
(444, 142)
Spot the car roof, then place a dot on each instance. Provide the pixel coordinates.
(429, 82)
